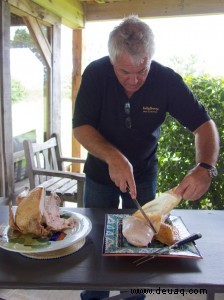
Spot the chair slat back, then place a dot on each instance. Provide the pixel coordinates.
(45, 154)
(45, 167)
(41, 156)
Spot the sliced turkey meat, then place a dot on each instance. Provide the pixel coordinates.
(137, 232)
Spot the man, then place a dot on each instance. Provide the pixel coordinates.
(122, 101)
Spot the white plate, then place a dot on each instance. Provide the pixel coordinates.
(81, 229)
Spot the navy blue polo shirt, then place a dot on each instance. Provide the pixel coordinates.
(101, 103)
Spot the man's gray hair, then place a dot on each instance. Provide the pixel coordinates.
(132, 36)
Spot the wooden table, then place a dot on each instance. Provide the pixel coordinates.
(88, 269)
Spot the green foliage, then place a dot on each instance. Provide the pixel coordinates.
(22, 39)
(18, 91)
(176, 151)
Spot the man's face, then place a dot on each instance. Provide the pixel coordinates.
(131, 76)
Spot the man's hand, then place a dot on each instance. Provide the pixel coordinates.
(195, 184)
(121, 173)
(120, 169)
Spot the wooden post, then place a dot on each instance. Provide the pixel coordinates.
(6, 147)
(76, 79)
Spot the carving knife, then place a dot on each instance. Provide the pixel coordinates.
(142, 211)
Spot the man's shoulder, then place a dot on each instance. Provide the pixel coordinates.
(157, 67)
(164, 73)
(101, 64)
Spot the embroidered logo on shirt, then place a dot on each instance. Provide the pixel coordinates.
(150, 109)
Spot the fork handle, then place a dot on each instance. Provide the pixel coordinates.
(188, 239)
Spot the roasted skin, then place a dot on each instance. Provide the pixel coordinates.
(168, 234)
(39, 214)
(158, 208)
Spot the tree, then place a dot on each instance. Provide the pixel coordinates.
(22, 39)
(177, 155)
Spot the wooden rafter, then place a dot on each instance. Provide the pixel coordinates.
(70, 11)
(26, 7)
(40, 38)
(93, 1)
(102, 1)
(111, 10)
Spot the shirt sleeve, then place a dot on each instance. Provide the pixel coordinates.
(183, 104)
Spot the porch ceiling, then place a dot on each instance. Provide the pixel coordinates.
(117, 9)
(74, 13)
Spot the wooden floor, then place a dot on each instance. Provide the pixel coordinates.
(73, 295)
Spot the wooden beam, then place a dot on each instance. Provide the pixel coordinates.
(70, 11)
(77, 61)
(26, 7)
(76, 79)
(39, 37)
(2, 156)
(6, 147)
(152, 8)
(55, 105)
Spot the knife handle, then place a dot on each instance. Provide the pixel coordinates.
(188, 239)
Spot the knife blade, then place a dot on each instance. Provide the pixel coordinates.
(142, 211)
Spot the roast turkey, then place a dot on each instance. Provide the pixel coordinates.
(38, 214)
(140, 234)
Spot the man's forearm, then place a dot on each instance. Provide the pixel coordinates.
(119, 168)
(96, 144)
(207, 143)
(197, 181)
